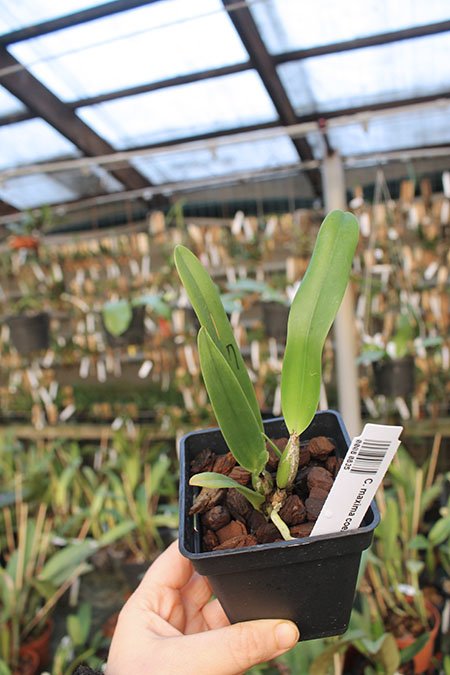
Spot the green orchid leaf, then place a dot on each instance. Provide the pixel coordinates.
(209, 479)
(415, 566)
(388, 655)
(156, 304)
(117, 316)
(440, 532)
(419, 543)
(117, 532)
(237, 422)
(205, 300)
(62, 564)
(409, 653)
(312, 312)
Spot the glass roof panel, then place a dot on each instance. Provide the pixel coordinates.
(364, 76)
(393, 132)
(219, 161)
(286, 25)
(32, 141)
(26, 192)
(201, 107)
(15, 15)
(9, 104)
(142, 45)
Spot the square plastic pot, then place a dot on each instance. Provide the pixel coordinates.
(29, 333)
(311, 581)
(394, 377)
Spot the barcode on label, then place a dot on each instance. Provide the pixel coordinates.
(370, 455)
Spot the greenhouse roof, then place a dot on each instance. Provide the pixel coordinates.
(137, 98)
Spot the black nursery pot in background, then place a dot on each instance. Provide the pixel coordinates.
(310, 581)
(394, 377)
(275, 320)
(133, 335)
(29, 333)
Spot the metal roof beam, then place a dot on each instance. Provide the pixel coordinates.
(69, 20)
(7, 209)
(361, 43)
(46, 105)
(262, 61)
(161, 84)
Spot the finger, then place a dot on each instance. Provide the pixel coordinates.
(170, 570)
(231, 650)
(214, 615)
(197, 592)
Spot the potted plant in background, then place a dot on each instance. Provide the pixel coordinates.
(244, 578)
(123, 320)
(26, 232)
(274, 304)
(394, 576)
(29, 325)
(80, 644)
(393, 360)
(35, 575)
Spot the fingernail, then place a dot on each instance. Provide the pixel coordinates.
(286, 635)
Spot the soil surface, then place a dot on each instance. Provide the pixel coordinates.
(228, 520)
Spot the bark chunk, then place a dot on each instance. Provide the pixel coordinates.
(203, 462)
(224, 464)
(240, 475)
(239, 507)
(233, 529)
(303, 530)
(237, 542)
(267, 533)
(321, 478)
(255, 520)
(320, 447)
(314, 507)
(293, 511)
(217, 517)
(210, 540)
(206, 499)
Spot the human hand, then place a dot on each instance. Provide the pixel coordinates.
(170, 626)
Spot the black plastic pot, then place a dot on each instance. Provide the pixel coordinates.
(134, 334)
(275, 320)
(29, 333)
(394, 377)
(310, 581)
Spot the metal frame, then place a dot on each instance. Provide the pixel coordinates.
(40, 102)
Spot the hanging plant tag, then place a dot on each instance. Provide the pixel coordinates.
(402, 408)
(57, 272)
(48, 359)
(254, 354)
(145, 266)
(67, 412)
(84, 367)
(364, 466)
(446, 183)
(238, 221)
(101, 371)
(145, 369)
(134, 267)
(231, 275)
(364, 224)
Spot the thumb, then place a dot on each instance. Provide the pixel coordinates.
(234, 649)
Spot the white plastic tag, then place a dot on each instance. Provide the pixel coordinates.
(367, 460)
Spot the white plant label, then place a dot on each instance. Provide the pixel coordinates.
(364, 466)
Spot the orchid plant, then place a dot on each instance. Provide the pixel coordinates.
(228, 384)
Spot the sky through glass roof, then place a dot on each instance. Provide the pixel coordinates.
(142, 45)
(189, 109)
(168, 38)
